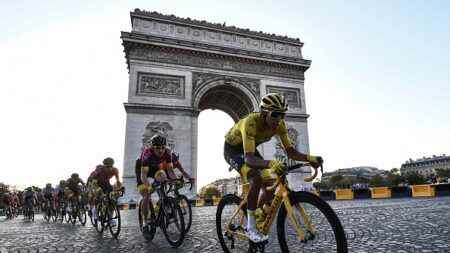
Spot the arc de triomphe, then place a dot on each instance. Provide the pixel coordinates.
(179, 67)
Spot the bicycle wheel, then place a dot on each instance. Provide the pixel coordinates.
(186, 209)
(47, 215)
(329, 234)
(172, 221)
(151, 225)
(225, 210)
(99, 223)
(82, 214)
(74, 215)
(53, 214)
(113, 216)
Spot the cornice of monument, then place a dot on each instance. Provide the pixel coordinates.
(297, 117)
(145, 39)
(215, 26)
(161, 109)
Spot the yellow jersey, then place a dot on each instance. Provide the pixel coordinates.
(249, 133)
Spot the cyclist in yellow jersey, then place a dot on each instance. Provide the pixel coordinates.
(241, 154)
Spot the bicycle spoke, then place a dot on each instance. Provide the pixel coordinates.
(227, 228)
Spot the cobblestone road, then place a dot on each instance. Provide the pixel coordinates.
(391, 225)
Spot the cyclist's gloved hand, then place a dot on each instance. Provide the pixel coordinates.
(277, 167)
(315, 161)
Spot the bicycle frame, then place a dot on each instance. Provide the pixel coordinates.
(281, 196)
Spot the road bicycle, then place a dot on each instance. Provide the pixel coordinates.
(78, 212)
(49, 210)
(184, 203)
(305, 222)
(109, 213)
(168, 215)
(28, 212)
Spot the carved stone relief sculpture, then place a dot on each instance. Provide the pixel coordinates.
(280, 153)
(160, 85)
(291, 94)
(162, 128)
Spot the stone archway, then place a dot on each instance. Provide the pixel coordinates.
(179, 67)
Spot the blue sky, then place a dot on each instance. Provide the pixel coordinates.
(377, 90)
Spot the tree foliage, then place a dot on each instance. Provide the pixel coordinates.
(377, 181)
(210, 192)
(394, 178)
(415, 178)
(443, 173)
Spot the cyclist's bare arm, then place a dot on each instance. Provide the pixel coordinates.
(170, 171)
(144, 179)
(255, 162)
(184, 173)
(116, 175)
(293, 154)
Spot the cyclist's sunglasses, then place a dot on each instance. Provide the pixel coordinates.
(160, 147)
(276, 114)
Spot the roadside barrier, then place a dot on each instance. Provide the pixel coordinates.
(327, 195)
(400, 192)
(361, 193)
(380, 192)
(216, 201)
(424, 190)
(200, 202)
(343, 194)
(442, 189)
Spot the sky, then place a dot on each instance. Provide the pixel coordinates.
(376, 92)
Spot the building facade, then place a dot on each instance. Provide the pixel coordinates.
(364, 171)
(426, 166)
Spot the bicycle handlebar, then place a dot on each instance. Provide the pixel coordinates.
(293, 167)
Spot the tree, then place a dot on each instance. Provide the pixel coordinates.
(414, 178)
(335, 180)
(377, 181)
(443, 173)
(321, 185)
(209, 192)
(394, 178)
(362, 179)
(4, 188)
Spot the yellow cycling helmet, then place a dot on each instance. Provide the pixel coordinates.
(274, 102)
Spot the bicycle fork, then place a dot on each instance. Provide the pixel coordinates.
(305, 218)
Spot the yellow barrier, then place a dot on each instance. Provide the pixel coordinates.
(424, 190)
(216, 201)
(380, 192)
(199, 202)
(126, 206)
(344, 194)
